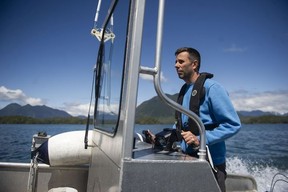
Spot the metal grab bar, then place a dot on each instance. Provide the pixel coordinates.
(156, 76)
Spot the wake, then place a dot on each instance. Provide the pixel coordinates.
(268, 178)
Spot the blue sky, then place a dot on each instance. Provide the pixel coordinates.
(47, 54)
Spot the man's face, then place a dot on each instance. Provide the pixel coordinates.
(184, 66)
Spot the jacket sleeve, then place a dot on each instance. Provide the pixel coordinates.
(221, 112)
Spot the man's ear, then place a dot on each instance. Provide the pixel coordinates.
(195, 65)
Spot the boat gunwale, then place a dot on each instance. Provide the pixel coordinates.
(42, 166)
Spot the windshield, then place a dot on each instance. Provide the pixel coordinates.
(109, 67)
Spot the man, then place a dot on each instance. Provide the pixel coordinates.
(216, 112)
(215, 109)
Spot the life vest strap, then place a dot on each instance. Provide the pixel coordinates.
(197, 94)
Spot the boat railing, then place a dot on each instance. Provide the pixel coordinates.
(155, 72)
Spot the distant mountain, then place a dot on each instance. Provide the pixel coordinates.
(38, 112)
(256, 113)
(10, 109)
(155, 111)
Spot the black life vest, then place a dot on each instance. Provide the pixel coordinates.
(197, 94)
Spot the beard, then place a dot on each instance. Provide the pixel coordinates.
(186, 76)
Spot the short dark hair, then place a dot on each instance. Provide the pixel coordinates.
(193, 53)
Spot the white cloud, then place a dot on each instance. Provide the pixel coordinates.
(233, 48)
(150, 77)
(18, 96)
(112, 108)
(76, 109)
(270, 101)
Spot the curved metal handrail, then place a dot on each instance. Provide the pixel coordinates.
(156, 74)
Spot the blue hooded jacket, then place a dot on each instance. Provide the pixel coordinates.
(215, 108)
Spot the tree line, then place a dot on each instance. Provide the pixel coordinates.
(268, 119)
(30, 120)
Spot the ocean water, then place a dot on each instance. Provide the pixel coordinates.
(259, 150)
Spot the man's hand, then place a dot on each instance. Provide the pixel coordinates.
(151, 136)
(190, 138)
